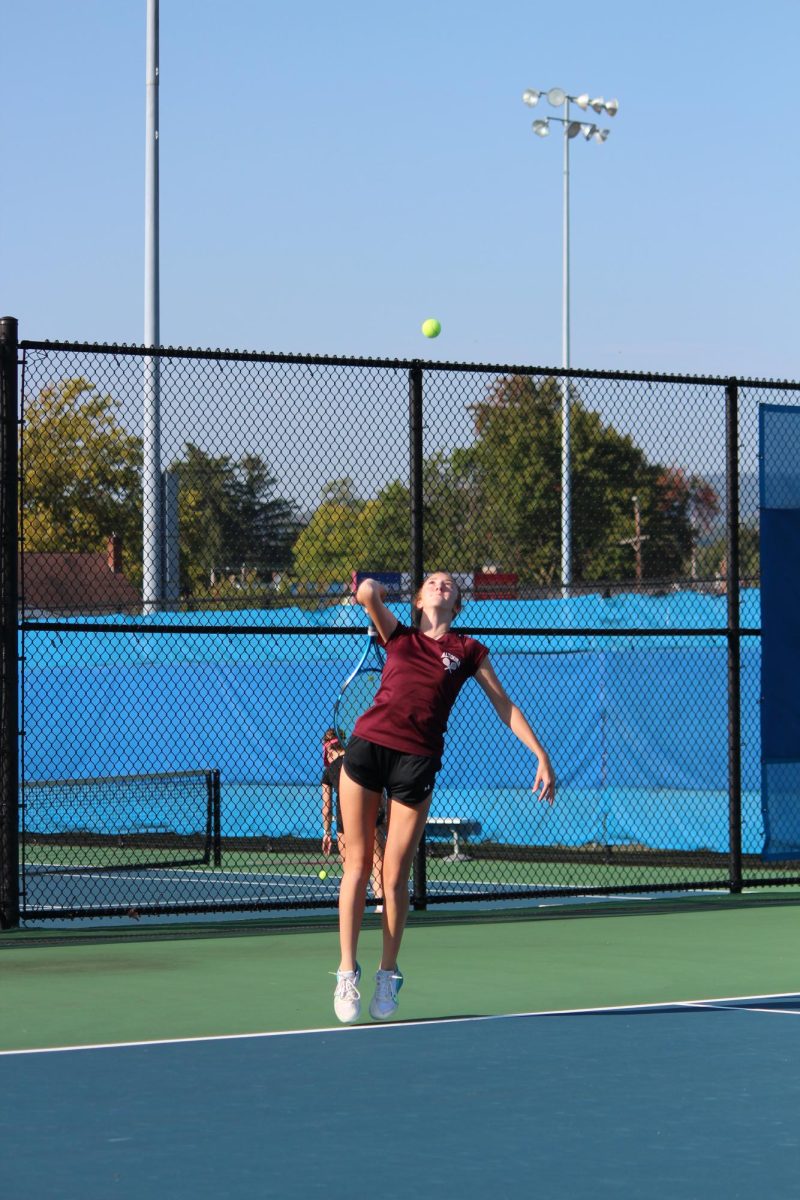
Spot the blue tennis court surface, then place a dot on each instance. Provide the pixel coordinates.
(60, 888)
(688, 1101)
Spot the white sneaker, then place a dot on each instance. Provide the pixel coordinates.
(384, 1002)
(347, 997)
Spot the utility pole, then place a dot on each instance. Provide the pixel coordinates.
(637, 539)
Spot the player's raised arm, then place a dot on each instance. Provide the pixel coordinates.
(545, 783)
(372, 594)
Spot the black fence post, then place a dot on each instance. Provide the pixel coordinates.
(417, 558)
(734, 636)
(9, 717)
(217, 818)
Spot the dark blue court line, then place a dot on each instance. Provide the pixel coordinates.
(574, 1106)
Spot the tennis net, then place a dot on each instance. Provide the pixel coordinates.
(121, 822)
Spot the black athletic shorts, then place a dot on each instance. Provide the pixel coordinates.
(408, 778)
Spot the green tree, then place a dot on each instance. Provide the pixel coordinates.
(513, 473)
(230, 520)
(347, 533)
(516, 463)
(81, 473)
(712, 557)
(386, 521)
(330, 545)
(686, 507)
(498, 502)
(384, 542)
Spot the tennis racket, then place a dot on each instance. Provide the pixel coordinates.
(359, 689)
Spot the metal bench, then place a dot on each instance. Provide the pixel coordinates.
(458, 827)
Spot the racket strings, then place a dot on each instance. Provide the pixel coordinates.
(355, 699)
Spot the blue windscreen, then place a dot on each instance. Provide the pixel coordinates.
(779, 430)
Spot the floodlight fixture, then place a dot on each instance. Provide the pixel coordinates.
(531, 97)
(612, 107)
(600, 135)
(541, 127)
(573, 129)
(582, 101)
(556, 97)
(598, 104)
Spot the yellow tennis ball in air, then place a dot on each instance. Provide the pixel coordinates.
(431, 327)
(323, 874)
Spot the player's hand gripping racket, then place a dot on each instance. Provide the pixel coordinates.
(359, 689)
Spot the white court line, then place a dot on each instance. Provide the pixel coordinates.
(720, 1003)
(785, 1012)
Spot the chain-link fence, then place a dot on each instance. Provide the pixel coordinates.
(191, 527)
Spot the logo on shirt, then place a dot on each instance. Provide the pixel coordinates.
(451, 663)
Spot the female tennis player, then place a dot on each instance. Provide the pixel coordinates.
(397, 744)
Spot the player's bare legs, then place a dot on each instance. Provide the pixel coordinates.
(405, 831)
(359, 814)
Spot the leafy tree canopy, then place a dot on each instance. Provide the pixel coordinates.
(81, 472)
(230, 519)
(498, 501)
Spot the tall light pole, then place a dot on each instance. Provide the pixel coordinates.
(558, 97)
(152, 505)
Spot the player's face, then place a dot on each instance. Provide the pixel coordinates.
(439, 592)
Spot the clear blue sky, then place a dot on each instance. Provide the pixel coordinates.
(331, 174)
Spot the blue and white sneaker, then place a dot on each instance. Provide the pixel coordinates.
(384, 1002)
(347, 997)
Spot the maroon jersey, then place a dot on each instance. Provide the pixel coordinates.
(419, 685)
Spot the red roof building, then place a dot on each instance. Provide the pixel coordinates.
(63, 583)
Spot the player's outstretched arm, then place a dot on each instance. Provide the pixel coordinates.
(545, 783)
(372, 594)
(327, 818)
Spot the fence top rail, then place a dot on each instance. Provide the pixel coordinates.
(574, 631)
(116, 779)
(403, 364)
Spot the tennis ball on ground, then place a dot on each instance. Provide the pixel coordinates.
(431, 327)
(323, 874)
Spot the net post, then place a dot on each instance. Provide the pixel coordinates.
(216, 805)
(420, 897)
(9, 533)
(734, 643)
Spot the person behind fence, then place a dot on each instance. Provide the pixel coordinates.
(397, 745)
(332, 757)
